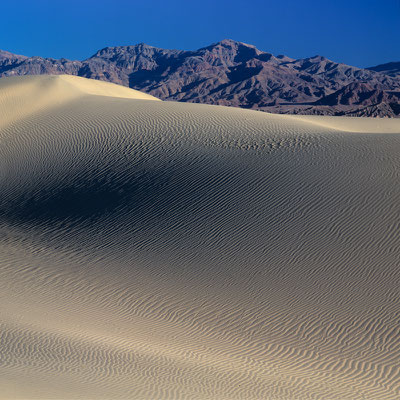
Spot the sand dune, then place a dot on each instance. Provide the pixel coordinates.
(160, 250)
(22, 96)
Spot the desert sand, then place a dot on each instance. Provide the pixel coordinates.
(162, 250)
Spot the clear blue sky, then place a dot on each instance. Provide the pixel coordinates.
(356, 32)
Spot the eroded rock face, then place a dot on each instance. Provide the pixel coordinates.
(233, 74)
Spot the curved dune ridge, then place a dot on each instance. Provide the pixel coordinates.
(22, 96)
(161, 250)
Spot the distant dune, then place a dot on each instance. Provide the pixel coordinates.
(162, 250)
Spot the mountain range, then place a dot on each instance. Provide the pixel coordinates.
(234, 74)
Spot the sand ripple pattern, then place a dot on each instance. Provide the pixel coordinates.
(160, 250)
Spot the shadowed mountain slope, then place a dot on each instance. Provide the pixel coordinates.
(392, 69)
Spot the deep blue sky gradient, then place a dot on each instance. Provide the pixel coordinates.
(356, 32)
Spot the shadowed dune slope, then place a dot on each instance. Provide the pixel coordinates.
(160, 250)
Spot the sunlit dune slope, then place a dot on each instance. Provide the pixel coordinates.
(21, 96)
(161, 250)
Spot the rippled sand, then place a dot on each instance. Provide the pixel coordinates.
(160, 250)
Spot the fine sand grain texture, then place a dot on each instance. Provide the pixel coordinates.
(160, 250)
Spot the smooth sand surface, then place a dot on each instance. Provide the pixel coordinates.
(161, 250)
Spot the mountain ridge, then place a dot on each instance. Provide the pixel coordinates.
(230, 73)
